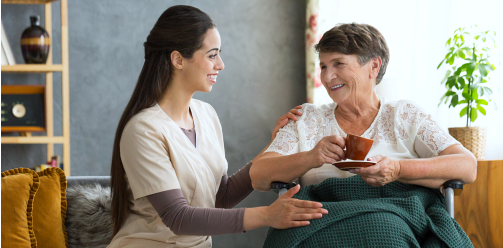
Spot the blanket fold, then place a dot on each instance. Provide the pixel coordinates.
(359, 215)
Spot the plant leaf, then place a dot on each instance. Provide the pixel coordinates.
(488, 67)
(481, 101)
(466, 96)
(454, 101)
(461, 82)
(483, 70)
(481, 89)
(473, 114)
(464, 66)
(447, 98)
(470, 68)
(450, 93)
(461, 54)
(475, 95)
(448, 42)
(481, 109)
(459, 70)
(451, 81)
(488, 90)
(451, 60)
(462, 101)
(463, 111)
(440, 63)
(442, 99)
(447, 74)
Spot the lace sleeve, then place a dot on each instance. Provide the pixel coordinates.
(429, 138)
(286, 141)
(434, 137)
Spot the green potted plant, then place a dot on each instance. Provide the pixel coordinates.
(467, 83)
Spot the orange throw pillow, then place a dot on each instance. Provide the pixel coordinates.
(49, 209)
(19, 187)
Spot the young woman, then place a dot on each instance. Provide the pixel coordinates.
(169, 172)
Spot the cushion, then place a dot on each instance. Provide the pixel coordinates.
(89, 218)
(49, 209)
(19, 187)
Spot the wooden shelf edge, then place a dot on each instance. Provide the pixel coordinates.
(23, 68)
(27, 1)
(32, 140)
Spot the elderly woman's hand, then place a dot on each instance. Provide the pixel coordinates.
(327, 151)
(385, 171)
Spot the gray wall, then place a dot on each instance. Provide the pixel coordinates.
(264, 76)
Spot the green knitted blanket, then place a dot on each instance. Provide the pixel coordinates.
(359, 215)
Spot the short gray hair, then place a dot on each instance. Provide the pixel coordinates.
(362, 40)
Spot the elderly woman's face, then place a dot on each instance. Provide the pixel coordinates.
(344, 78)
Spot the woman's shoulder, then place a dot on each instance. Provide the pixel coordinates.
(145, 120)
(148, 113)
(318, 107)
(407, 111)
(310, 110)
(203, 106)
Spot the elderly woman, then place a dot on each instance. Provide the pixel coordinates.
(409, 147)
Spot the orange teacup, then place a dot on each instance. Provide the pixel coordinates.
(357, 147)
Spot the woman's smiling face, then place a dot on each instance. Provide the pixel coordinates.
(200, 72)
(344, 78)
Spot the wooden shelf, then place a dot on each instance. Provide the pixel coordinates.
(32, 140)
(24, 68)
(26, 1)
(48, 69)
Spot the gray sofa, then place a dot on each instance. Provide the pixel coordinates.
(88, 216)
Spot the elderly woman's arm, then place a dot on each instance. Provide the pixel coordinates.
(454, 162)
(271, 166)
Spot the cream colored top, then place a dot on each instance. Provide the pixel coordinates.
(401, 130)
(157, 156)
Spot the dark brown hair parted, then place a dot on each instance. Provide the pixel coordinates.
(180, 28)
(362, 40)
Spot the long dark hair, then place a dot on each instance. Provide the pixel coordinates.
(180, 28)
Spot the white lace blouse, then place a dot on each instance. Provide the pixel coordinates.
(401, 130)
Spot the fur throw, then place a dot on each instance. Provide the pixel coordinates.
(88, 216)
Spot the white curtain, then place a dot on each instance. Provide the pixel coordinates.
(416, 32)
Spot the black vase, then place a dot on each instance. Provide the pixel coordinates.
(35, 43)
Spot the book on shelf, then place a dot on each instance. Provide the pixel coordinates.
(7, 55)
(41, 167)
(55, 162)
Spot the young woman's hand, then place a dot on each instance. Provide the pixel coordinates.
(283, 120)
(287, 212)
(327, 151)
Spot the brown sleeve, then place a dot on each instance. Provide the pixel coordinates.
(235, 188)
(183, 219)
